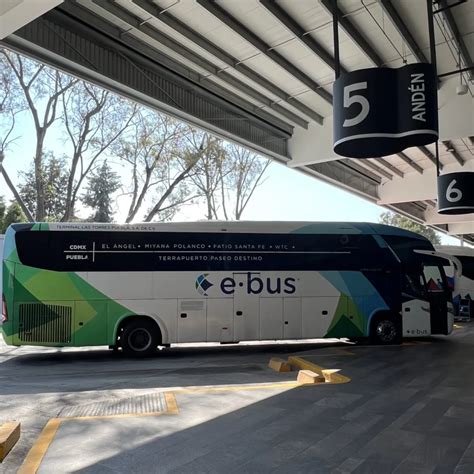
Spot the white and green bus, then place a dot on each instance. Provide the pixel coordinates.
(1, 253)
(462, 282)
(137, 287)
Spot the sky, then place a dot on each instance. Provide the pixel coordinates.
(286, 193)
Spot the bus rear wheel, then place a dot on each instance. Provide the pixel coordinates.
(385, 329)
(139, 338)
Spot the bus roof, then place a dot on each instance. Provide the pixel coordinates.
(277, 227)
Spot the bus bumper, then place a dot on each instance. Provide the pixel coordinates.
(7, 334)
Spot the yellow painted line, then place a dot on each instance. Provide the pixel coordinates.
(304, 364)
(171, 403)
(36, 454)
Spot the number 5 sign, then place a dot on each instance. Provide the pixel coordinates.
(456, 193)
(382, 111)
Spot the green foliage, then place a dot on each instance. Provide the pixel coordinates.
(3, 209)
(54, 178)
(102, 184)
(403, 222)
(13, 215)
(169, 164)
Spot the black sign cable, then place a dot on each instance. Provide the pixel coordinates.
(429, 6)
(335, 29)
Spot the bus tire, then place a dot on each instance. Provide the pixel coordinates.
(140, 337)
(385, 329)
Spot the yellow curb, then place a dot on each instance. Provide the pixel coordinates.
(9, 435)
(303, 364)
(36, 454)
(279, 365)
(306, 377)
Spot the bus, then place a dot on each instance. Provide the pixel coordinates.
(138, 287)
(462, 284)
(1, 253)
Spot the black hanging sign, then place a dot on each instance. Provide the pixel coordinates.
(456, 193)
(382, 111)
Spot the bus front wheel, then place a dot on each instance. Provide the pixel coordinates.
(139, 338)
(385, 329)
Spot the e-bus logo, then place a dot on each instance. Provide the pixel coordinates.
(202, 284)
(254, 285)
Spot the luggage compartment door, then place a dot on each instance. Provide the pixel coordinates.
(246, 311)
(192, 321)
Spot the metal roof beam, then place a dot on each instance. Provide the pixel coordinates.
(168, 19)
(400, 25)
(361, 169)
(409, 209)
(429, 155)
(377, 169)
(212, 7)
(96, 51)
(454, 153)
(346, 177)
(439, 10)
(354, 34)
(410, 162)
(191, 56)
(465, 55)
(283, 17)
(389, 166)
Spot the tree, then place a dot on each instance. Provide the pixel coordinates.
(13, 215)
(53, 178)
(245, 175)
(161, 159)
(38, 89)
(174, 188)
(103, 183)
(403, 222)
(93, 119)
(209, 171)
(3, 209)
(227, 176)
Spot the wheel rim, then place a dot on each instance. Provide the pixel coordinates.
(386, 331)
(140, 339)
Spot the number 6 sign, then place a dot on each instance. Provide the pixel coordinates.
(453, 194)
(456, 193)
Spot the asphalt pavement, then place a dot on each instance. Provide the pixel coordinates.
(220, 409)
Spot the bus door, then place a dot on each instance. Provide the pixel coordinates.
(437, 298)
(246, 308)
